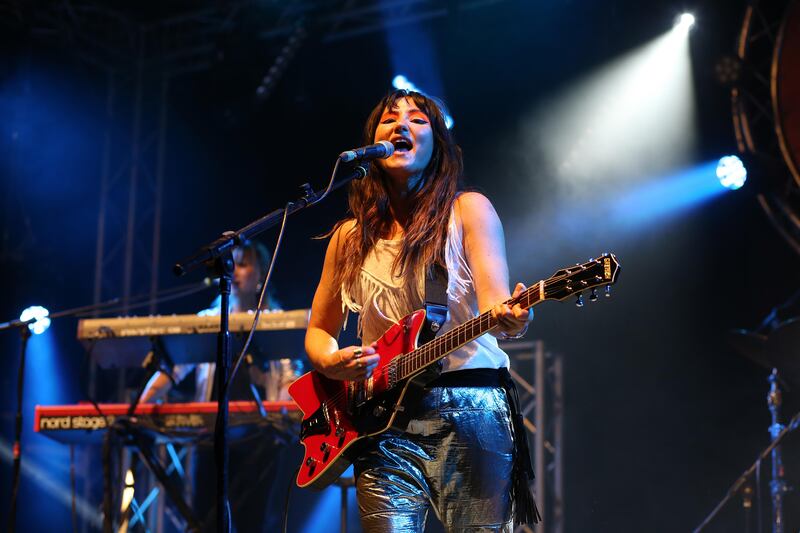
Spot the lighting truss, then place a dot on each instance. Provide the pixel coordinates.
(754, 113)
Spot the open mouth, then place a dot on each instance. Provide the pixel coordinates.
(402, 145)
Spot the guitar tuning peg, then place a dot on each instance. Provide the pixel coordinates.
(593, 295)
(579, 301)
(608, 291)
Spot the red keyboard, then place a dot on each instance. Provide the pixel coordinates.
(168, 422)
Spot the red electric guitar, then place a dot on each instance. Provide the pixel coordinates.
(339, 414)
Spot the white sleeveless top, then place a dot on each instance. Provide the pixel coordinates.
(381, 299)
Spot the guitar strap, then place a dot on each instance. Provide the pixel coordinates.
(435, 301)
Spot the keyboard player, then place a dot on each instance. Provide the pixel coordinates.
(251, 261)
(249, 487)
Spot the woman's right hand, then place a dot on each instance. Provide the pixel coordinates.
(353, 363)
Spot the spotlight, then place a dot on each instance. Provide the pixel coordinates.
(731, 172)
(403, 83)
(684, 22)
(39, 315)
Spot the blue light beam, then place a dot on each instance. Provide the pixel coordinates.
(667, 196)
(327, 510)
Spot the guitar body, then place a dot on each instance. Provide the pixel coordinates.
(338, 415)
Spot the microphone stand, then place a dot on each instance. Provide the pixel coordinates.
(25, 334)
(778, 486)
(217, 256)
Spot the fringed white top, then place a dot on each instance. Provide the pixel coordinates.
(381, 298)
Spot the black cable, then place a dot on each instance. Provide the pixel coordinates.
(313, 201)
(164, 296)
(139, 300)
(253, 327)
(286, 503)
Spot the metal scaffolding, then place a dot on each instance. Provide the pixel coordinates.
(539, 377)
(755, 112)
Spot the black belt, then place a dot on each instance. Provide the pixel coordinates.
(471, 377)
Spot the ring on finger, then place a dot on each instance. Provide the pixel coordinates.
(357, 353)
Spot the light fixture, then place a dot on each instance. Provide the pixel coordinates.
(684, 22)
(731, 172)
(39, 316)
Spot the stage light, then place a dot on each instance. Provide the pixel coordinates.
(731, 172)
(403, 83)
(728, 70)
(684, 22)
(40, 316)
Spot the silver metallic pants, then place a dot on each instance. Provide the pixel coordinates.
(456, 458)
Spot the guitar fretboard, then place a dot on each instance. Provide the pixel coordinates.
(414, 361)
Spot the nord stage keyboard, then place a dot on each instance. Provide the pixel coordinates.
(173, 422)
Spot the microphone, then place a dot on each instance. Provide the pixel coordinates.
(379, 150)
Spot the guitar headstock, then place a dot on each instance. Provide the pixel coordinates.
(573, 281)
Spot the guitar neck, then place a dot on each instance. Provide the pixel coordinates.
(427, 354)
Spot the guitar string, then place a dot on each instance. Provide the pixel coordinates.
(422, 353)
(457, 331)
(437, 342)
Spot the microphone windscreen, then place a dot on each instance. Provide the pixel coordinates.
(389, 148)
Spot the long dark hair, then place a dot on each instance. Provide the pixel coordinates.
(431, 201)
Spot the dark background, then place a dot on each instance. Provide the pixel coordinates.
(661, 414)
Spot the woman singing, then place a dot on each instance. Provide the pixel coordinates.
(462, 454)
